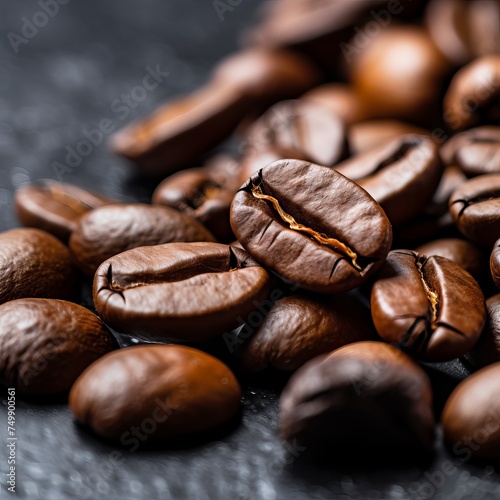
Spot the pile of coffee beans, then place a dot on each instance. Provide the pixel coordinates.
(349, 235)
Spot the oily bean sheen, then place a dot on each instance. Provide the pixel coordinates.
(471, 415)
(475, 152)
(110, 230)
(303, 326)
(475, 207)
(166, 390)
(401, 174)
(430, 306)
(55, 207)
(45, 344)
(363, 395)
(311, 226)
(34, 263)
(495, 263)
(184, 291)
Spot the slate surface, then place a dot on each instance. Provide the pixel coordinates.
(70, 74)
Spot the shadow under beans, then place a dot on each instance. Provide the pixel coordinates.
(59, 399)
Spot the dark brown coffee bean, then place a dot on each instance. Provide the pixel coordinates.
(315, 131)
(184, 129)
(430, 306)
(366, 395)
(183, 291)
(473, 97)
(55, 207)
(495, 264)
(112, 229)
(45, 344)
(461, 252)
(389, 86)
(302, 326)
(168, 391)
(369, 134)
(475, 206)
(311, 225)
(401, 174)
(34, 263)
(463, 30)
(476, 151)
(471, 415)
(204, 193)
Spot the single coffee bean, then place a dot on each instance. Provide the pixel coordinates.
(302, 326)
(182, 291)
(369, 134)
(470, 416)
(55, 207)
(34, 263)
(495, 263)
(430, 306)
(112, 229)
(315, 131)
(475, 205)
(182, 130)
(463, 30)
(45, 344)
(366, 395)
(476, 151)
(204, 193)
(401, 174)
(473, 97)
(311, 225)
(166, 391)
(461, 252)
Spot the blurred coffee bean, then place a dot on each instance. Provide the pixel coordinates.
(473, 97)
(34, 263)
(55, 206)
(463, 30)
(182, 130)
(430, 306)
(475, 207)
(179, 389)
(311, 226)
(45, 344)
(180, 291)
(314, 131)
(476, 151)
(495, 263)
(364, 396)
(401, 174)
(112, 229)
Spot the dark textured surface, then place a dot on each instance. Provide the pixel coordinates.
(64, 81)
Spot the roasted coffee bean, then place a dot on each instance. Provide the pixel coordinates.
(168, 391)
(55, 207)
(315, 131)
(430, 306)
(461, 252)
(367, 395)
(311, 225)
(473, 97)
(112, 229)
(302, 326)
(475, 152)
(183, 291)
(401, 174)
(45, 344)
(495, 263)
(389, 86)
(369, 134)
(34, 263)
(463, 30)
(471, 415)
(475, 206)
(204, 193)
(184, 129)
